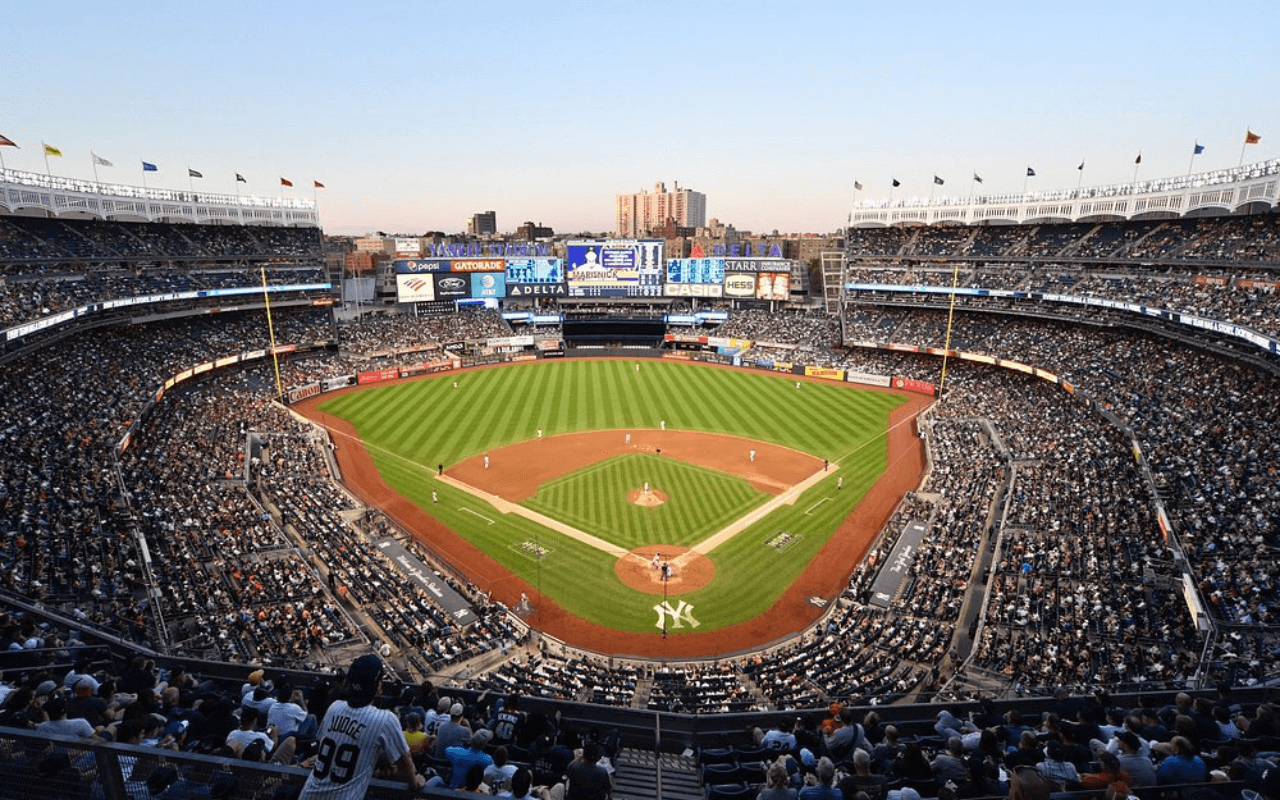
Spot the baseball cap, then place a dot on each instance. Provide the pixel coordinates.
(48, 687)
(456, 710)
(364, 675)
(84, 686)
(256, 676)
(806, 756)
(443, 705)
(481, 737)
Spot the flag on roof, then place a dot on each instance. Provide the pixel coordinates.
(50, 150)
(240, 178)
(938, 180)
(1199, 149)
(1031, 173)
(149, 167)
(317, 184)
(857, 186)
(5, 141)
(1250, 137)
(192, 173)
(896, 183)
(976, 178)
(286, 182)
(1138, 160)
(99, 160)
(1081, 167)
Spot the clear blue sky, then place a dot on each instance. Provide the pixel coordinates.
(416, 115)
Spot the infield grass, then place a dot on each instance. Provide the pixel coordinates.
(410, 427)
(700, 501)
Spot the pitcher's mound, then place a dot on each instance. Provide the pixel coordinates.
(651, 498)
(689, 571)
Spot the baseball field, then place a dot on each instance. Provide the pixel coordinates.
(570, 476)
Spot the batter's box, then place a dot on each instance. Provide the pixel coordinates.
(531, 550)
(781, 540)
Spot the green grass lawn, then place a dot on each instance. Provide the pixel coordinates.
(410, 427)
(700, 501)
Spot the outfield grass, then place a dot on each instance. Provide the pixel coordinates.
(700, 501)
(412, 426)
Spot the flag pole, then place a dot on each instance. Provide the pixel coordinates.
(45, 148)
(190, 181)
(94, 161)
(1080, 182)
(1240, 163)
(1137, 163)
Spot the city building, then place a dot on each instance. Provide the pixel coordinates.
(638, 215)
(486, 222)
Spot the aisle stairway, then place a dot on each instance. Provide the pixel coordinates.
(637, 775)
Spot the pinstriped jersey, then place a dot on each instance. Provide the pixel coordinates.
(351, 741)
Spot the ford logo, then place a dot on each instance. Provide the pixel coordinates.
(452, 283)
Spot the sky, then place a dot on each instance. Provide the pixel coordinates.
(416, 115)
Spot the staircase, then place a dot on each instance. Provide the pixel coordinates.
(638, 772)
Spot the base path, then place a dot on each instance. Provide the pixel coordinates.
(825, 576)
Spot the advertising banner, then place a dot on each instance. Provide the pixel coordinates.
(825, 372)
(303, 392)
(342, 381)
(450, 287)
(693, 290)
(615, 268)
(773, 285)
(867, 378)
(488, 284)
(510, 341)
(536, 289)
(415, 289)
(676, 355)
(478, 265)
(913, 385)
(411, 265)
(411, 248)
(739, 285)
(377, 375)
(695, 270)
(535, 270)
(442, 365)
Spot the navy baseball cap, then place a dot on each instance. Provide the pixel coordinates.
(364, 675)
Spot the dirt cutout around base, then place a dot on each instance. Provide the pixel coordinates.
(647, 498)
(689, 571)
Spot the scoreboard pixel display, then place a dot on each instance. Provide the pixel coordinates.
(615, 267)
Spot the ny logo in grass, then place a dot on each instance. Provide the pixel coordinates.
(684, 612)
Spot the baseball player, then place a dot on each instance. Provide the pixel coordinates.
(486, 462)
(352, 738)
(752, 456)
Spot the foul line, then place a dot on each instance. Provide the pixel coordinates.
(477, 513)
(809, 513)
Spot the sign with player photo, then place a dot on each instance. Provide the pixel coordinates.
(615, 267)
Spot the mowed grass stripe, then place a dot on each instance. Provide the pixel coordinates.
(595, 500)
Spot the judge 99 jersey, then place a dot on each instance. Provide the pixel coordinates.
(351, 743)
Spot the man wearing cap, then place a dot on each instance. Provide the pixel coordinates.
(86, 704)
(463, 757)
(437, 718)
(354, 737)
(454, 733)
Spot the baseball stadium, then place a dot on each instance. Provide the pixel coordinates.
(698, 506)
